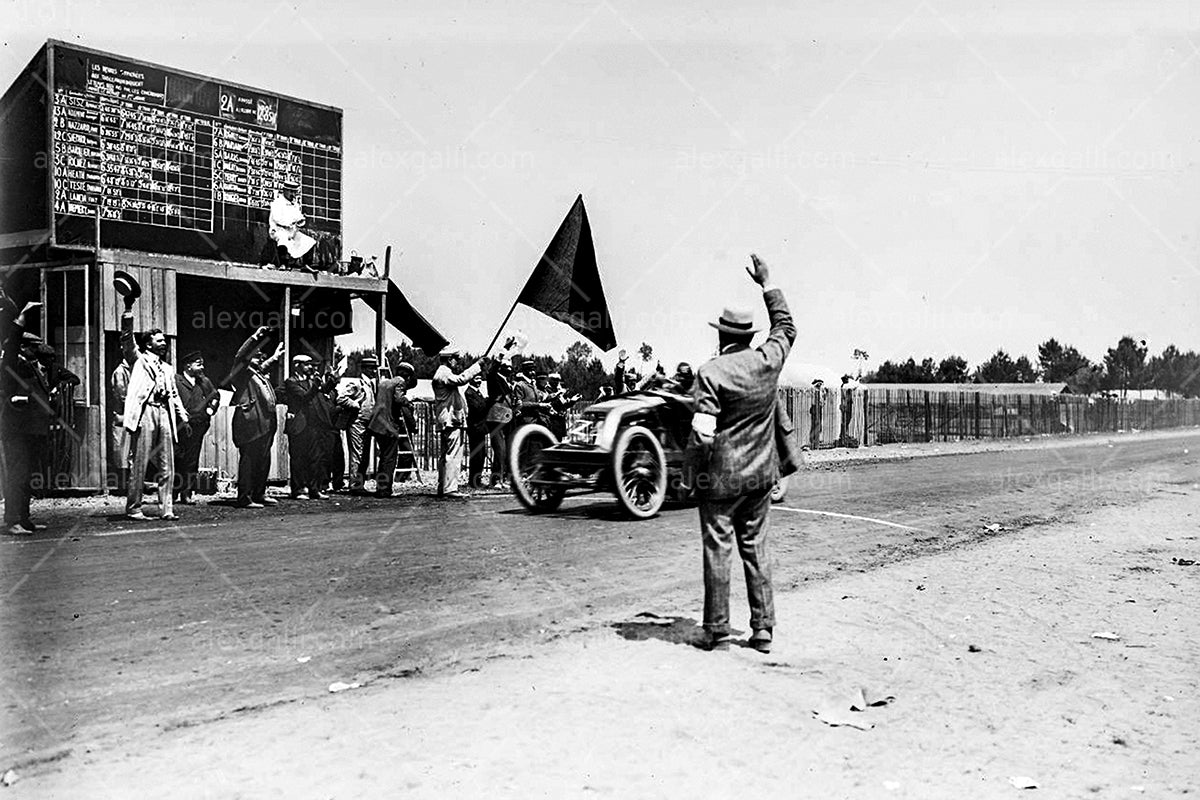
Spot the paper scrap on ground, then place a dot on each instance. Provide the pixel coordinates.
(338, 686)
(1021, 782)
(863, 698)
(1107, 636)
(836, 718)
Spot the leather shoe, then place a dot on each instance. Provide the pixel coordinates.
(715, 642)
(248, 504)
(266, 501)
(137, 515)
(17, 530)
(31, 526)
(761, 639)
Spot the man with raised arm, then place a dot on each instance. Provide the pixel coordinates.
(735, 461)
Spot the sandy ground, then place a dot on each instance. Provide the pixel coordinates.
(988, 650)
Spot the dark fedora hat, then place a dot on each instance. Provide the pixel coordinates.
(126, 285)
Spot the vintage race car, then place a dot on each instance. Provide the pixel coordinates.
(631, 445)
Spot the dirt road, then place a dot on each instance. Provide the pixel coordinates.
(123, 638)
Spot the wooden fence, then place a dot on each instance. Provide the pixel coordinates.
(828, 418)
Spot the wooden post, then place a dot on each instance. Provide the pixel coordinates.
(381, 315)
(285, 332)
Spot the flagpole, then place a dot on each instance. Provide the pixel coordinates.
(500, 330)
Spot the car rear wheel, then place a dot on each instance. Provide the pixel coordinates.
(639, 472)
(524, 465)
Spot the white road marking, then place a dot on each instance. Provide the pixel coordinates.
(850, 516)
(164, 528)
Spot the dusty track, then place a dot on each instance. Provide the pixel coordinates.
(112, 632)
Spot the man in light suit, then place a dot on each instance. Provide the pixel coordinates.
(154, 416)
(254, 420)
(450, 413)
(735, 460)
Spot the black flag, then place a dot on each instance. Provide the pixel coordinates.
(565, 285)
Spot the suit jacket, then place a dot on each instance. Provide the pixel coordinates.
(149, 376)
(25, 391)
(739, 388)
(299, 394)
(477, 407)
(197, 399)
(391, 406)
(253, 396)
(449, 406)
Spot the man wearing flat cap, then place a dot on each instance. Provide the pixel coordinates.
(734, 460)
(200, 399)
(305, 459)
(25, 413)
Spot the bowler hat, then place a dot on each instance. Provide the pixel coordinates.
(126, 285)
(195, 355)
(300, 358)
(369, 361)
(30, 338)
(405, 367)
(736, 320)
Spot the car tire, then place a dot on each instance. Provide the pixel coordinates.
(527, 443)
(639, 471)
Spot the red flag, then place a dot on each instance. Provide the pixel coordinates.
(565, 285)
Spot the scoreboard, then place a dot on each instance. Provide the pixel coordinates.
(178, 163)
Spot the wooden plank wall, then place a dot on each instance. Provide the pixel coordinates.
(156, 308)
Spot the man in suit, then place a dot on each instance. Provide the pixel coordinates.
(154, 416)
(477, 431)
(357, 439)
(499, 416)
(200, 399)
(254, 422)
(734, 460)
(306, 461)
(25, 413)
(450, 417)
(390, 418)
(450, 413)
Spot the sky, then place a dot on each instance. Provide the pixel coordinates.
(923, 179)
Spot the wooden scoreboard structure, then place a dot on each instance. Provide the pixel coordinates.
(111, 163)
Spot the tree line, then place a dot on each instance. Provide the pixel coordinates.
(1126, 366)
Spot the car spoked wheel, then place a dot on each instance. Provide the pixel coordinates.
(639, 472)
(527, 472)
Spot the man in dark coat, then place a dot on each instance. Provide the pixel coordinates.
(477, 431)
(305, 439)
(392, 410)
(25, 414)
(736, 462)
(200, 399)
(499, 416)
(254, 422)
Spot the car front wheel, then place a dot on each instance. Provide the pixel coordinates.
(639, 472)
(524, 465)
